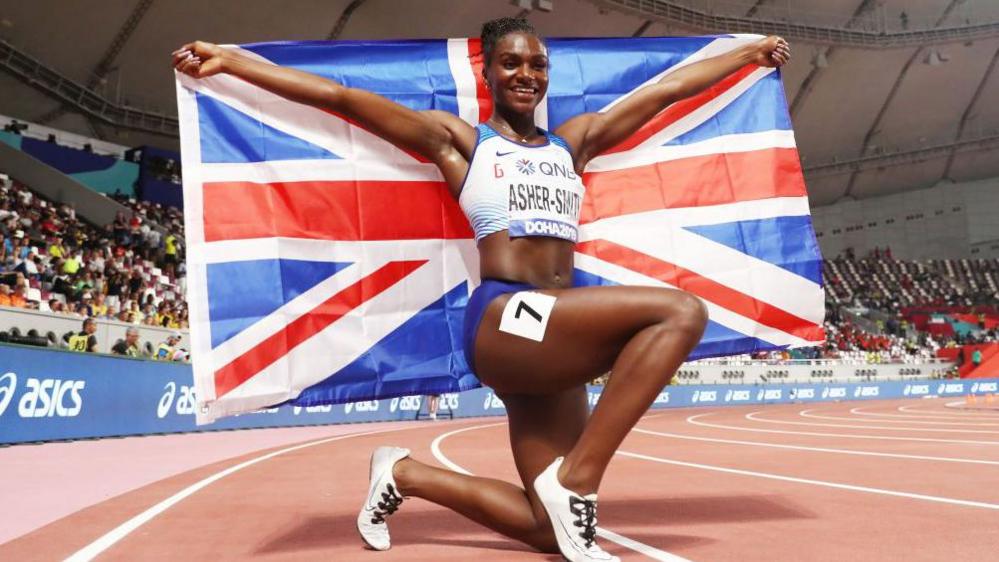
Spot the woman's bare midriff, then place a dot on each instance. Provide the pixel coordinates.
(543, 262)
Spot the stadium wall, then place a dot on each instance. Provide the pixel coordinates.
(48, 395)
(108, 331)
(949, 220)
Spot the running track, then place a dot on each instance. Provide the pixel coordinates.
(889, 480)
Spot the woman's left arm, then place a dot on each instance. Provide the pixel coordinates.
(590, 134)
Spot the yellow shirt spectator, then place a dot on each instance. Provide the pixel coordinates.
(71, 266)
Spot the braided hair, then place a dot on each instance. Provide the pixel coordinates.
(494, 30)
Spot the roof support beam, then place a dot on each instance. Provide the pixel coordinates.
(873, 34)
(104, 66)
(876, 125)
(988, 140)
(968, 111)
(341, 22)
(808, 84)
(50, 82)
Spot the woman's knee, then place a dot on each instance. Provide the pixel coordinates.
(686, 313)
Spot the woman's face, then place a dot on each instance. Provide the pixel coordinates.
(517, 75)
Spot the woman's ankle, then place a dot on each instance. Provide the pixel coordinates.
(577, 478)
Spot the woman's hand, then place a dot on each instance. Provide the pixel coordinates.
(772, 51)
(198, 59)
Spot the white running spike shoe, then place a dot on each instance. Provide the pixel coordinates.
(383, 498)
(573, 517)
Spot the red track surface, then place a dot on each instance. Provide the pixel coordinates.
(900, 480)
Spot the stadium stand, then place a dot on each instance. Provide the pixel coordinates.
(54, 261)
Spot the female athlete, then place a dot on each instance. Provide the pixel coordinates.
(528, 334)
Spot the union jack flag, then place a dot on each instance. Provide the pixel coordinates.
(326, 265)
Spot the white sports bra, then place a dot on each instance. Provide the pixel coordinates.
(527, 190)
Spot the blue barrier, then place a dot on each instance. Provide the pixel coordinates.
(50, 395)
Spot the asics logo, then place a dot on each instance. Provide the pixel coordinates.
(8, 384)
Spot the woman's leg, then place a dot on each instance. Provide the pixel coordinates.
(640, 334)
(541, 429)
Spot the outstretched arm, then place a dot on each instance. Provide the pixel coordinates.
(592, 133)
(430, 134)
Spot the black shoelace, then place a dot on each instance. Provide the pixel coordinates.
(389, 505)
(586, 517)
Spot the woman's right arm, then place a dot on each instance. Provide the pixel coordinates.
(426, 133)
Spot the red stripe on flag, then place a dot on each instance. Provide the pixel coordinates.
(311, 323)
(681, 109)
(332, 210)
(477, 60)
(707, 289)
(714, 179)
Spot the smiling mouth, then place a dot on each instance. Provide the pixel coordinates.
(524, 91)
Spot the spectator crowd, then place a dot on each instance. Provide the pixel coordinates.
(131, 270)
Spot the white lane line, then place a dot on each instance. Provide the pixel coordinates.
(938, 420)
(815, 449)
(121, 531)
(693, 420)
(809, 414)
(752, 416)
(642, 548)
(951, 414)
(823, 483)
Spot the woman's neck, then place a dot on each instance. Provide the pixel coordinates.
(518, 124)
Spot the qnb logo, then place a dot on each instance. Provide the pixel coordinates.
(48, 398)
(366, 406)
(525, 166)
(186, 400)
(8, 384)
(493, 402)
(405, 404)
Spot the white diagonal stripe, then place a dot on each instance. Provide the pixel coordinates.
(740, 142)
(749, 275)
(307, 123)
(717, 47)
(695, 118)
(355, 334)
(722, 316)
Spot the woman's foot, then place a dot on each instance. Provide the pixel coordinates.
(573, 517)
(383, 498)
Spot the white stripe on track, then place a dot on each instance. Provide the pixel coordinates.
(905, 418)
(641, 548)
(823, 483)
(810, 414)
(814, 449)
(693, 420)
(121, 531)
(953, 413)
(752, 416)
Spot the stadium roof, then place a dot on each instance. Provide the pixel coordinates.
(886, 95)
